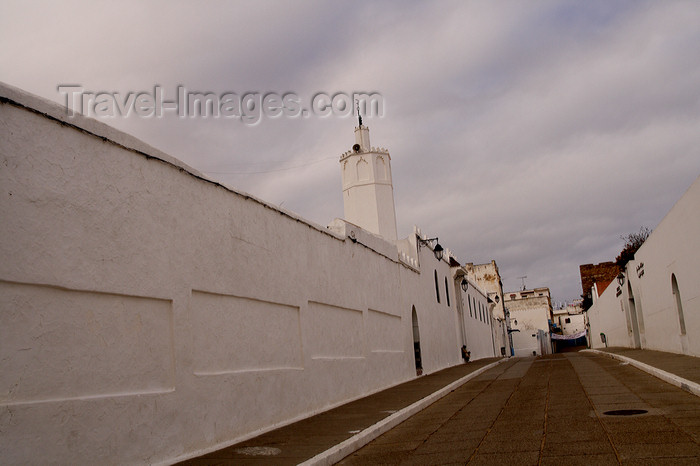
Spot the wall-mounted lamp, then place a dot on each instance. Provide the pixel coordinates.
(497, 299)
(464, 284)
(437, 250)
(621, 279)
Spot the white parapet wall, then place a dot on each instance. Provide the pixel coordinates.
(148, 314)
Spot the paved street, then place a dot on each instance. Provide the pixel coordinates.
(549, 410)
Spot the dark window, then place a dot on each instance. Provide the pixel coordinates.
(567, 320)
(447, 293)
(470, 306)
(437, 288)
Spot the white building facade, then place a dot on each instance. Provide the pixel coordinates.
(656, 302)
(530, 313)
(487, 277)
(150, 314)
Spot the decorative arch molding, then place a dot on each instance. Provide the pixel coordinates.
(381, 168)
(363, 171)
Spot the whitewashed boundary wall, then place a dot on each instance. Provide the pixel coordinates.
(609, 317)
(148, 314)
(658, 305)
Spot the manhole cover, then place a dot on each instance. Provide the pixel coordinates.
(259, 451)
(625, 412)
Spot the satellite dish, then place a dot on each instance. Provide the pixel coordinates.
(356, 148)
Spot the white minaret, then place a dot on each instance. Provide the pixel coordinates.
(368, 194)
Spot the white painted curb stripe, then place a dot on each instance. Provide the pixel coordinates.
(354, 443)
(673, 379)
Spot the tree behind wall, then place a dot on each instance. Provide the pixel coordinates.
(633, 242)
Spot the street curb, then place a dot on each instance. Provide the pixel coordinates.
(354, 443)
(673, 379)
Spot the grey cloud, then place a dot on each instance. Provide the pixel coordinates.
(532, 133)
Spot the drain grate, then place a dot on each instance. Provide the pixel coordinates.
(625, 412)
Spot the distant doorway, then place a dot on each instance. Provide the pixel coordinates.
(416, 342)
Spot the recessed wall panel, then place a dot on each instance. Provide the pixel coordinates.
(58, 344)
(234, 334)
(334, 332)
(384, 332)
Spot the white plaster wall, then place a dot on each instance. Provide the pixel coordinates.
(528, 316)
(609, 316)
(672, 248)
(147, 314)
(575, 325)
(525, 343)
(533, 318)
(434, 318)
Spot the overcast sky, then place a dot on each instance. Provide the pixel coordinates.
(534, 133)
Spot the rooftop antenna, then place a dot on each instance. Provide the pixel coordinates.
(523, 280)
(357, 104)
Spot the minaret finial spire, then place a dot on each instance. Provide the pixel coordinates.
(359, 116)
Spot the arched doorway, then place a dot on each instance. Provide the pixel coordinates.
(633, 317)
(679, 309)
(416, 342)
(679, 303)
